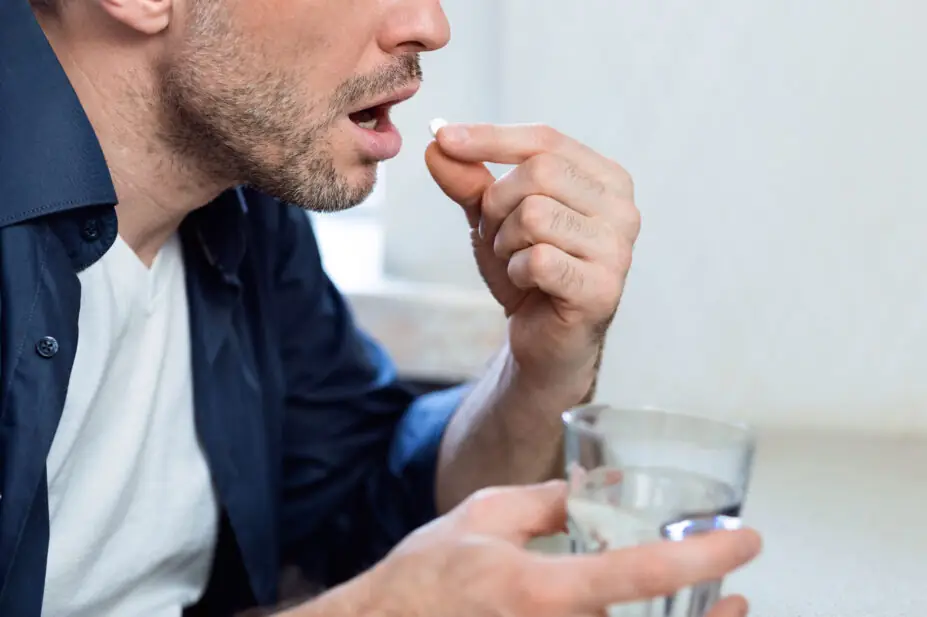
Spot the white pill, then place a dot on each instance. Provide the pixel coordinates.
(436, 125)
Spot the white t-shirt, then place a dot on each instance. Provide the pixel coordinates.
(133, 512)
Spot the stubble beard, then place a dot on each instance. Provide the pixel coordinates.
(235, 122)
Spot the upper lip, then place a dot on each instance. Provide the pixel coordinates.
(397, 96)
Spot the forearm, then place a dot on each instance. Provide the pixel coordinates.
(508, 430)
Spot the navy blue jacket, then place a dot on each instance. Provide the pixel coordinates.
(319, 455)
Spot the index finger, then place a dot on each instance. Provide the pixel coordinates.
(517, 513)
(514, 144)
(591, 582)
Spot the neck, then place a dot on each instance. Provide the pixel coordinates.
(156, 187)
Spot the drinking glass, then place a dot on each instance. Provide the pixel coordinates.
(648, 475)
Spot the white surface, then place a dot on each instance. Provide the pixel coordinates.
(432, 331)
(841, 520)
(132, 510)
(778, 148)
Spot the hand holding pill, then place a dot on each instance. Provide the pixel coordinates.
(552, 238)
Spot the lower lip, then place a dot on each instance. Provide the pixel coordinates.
(381, 143)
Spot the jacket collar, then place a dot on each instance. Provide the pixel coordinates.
(50, 159)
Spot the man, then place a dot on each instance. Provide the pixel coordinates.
(186, 403)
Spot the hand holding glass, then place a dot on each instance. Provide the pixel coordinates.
(647, 475)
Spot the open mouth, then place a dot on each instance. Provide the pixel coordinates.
(372, 118)
(376, 117)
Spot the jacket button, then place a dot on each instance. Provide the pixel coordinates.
(47, 346)
(90, 231)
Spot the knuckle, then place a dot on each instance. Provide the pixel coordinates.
(624, 256)
(481, 505)
(536, 216)
(621, 180)
(541, 169)
(540, 260)
(546, 266)
(548, 137)
(624, 223)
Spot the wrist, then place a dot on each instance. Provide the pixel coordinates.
(551, 386)
(528, 404)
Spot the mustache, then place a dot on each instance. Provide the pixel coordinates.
(383, 82)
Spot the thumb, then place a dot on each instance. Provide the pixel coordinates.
(463, 182)
(518, 513)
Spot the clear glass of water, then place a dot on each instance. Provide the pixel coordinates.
(647, 475)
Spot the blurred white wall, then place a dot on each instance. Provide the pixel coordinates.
(427, 236)
(779, 149)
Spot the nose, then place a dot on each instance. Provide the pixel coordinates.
(413, 26)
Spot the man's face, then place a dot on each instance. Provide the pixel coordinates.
(293, 96)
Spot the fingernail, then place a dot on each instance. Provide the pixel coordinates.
(482, 229)
(455, 132)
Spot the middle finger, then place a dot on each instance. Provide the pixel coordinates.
(540, 219)
(548, 175)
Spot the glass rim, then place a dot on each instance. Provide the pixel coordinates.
(579, 416)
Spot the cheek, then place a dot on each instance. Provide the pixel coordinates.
(320, 42)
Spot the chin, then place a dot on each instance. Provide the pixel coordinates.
(361, 177)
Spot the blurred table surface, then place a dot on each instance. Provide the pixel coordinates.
(843, 519)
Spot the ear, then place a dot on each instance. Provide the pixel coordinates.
(145, 16)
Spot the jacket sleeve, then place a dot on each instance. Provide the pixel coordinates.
(360, 449)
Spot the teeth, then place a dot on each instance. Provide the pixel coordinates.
(368, 124)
